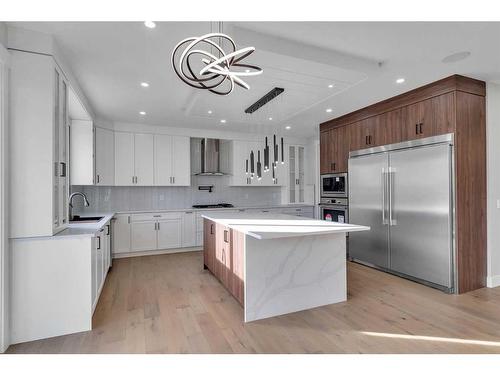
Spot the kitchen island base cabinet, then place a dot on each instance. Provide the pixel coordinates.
(275, 264)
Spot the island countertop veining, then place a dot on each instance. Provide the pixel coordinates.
(270, 225)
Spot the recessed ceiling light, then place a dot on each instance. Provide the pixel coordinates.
(456, 57)
(328, 110)
(400, 80)
(209, 111)
(222, 121)
(144, 84)
(330, 86)
(288, 127)
(142, 113)
(270, 119)
(247, 70)
(150, 24)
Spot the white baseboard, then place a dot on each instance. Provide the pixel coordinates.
(493, 281)
(157, 252)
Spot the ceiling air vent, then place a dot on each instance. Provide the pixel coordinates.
(264, 100)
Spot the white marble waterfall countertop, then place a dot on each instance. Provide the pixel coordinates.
(265, 226)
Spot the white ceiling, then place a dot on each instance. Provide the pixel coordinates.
(110, 59)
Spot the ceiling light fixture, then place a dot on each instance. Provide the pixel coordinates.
(288, 127)
(328, 110)
(209, 111)
(150, 24)
(330, 86)
(400, 80)
(459, 56)
(215, 75)
(142, 113)
(144, 84)
(222, 121)
(270, 119)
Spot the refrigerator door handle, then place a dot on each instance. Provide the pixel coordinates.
(384, 195)
(391, 173)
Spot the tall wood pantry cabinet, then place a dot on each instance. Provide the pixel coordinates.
(454, 105)
(38, 142)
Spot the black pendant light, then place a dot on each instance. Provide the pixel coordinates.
(259, 166)
(282, 152)
(246, 166)
(275, 152)
(266, 157)
(252, 164)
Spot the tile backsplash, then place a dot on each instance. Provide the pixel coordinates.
(132, 198)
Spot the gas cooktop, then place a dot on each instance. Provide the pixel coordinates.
(218, 205)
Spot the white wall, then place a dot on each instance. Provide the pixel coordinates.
(493, 147)
(4, 251)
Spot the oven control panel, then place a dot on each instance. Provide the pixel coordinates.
(336, 201)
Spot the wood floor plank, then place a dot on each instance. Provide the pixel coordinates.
(169, 304)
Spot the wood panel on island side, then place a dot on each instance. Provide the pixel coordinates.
(456, 105)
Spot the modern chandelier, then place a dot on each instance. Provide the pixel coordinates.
(203, 63)
(253, 168)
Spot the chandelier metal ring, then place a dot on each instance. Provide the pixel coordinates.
(217, 69)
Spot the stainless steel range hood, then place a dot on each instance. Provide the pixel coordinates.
(205, 156)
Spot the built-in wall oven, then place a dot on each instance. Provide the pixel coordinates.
(334, 209)
(334, 185)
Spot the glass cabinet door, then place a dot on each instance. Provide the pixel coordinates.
(292, 173)
(300, 185)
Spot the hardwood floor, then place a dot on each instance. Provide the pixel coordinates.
(169, 304)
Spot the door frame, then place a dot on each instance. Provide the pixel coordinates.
(4, 259)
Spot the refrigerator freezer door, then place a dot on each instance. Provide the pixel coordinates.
(368, 205)
(420, 233)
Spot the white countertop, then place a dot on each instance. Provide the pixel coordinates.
(265, 226)
(86, 229)
(300, 205)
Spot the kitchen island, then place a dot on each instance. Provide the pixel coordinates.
(275, 264)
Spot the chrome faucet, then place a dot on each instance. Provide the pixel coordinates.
(85, 203)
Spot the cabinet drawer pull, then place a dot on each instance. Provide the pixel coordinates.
(420, 128)
(225, 236)
(98, 179)
(63, 170)
(416, 128)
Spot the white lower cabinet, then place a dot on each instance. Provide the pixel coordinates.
(121, 234)
(189, 229)
(169, 233)
(99, 263)
(143, 236)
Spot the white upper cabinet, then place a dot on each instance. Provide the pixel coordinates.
(181, 161)
(144, 159)
(104, 157)
(124, 159)
(37, 146)
(151, 160)
(82, 152)
(172, 160)
(163, 159)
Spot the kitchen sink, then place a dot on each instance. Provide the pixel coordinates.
(86, 219)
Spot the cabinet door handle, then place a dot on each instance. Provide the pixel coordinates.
(211, 229)
(63, 170)
(107, 230)
(158, 226)
(225, 236)
(132, 179)
(173, 179)
(98, 243)
(416, 128)
(370, 139)
(332, 166)
(129, 219)
(420, 127)
(366, 139)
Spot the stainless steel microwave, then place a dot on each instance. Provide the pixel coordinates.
(334, 185)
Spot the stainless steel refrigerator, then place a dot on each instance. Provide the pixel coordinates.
(404, 192)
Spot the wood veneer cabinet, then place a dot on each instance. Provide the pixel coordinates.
(335, 146)
(223, 256)
(455, 104)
